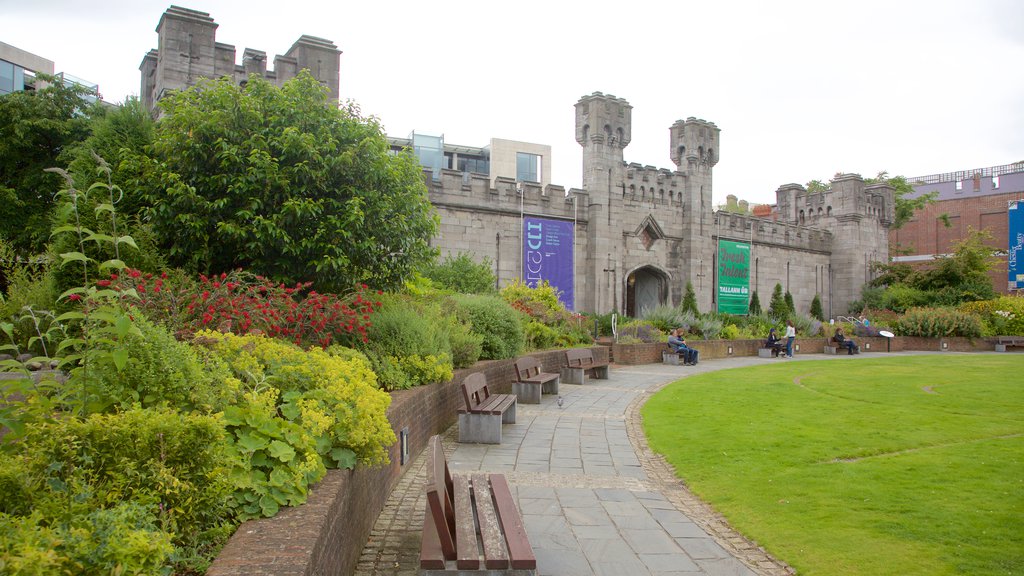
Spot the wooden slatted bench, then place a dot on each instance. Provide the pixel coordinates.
(670, 356)
(1003, 341)
(471, 523)
(579, 362)
(530, 382)
(481, 419)
(831, 347)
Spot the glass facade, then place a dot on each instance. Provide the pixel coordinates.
(12, 77)
(430, 151)
(527, 167)
(478, 165)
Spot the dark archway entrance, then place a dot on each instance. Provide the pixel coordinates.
(646, 289)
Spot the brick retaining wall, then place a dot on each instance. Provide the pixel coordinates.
(327, 534)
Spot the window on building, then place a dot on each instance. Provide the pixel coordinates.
(477, 165)
(959, 184)
(528, 167)
(430, 152)
(995, 182)
(12, 78)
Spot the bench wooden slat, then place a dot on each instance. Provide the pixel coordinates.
(495, 553)
(519, 548)
(431, 554)
(468, 557)
(439, 504)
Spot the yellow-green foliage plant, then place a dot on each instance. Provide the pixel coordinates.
(1002, 316)
(344, 389)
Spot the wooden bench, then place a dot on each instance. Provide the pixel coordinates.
(530, 382)
(1003, 341)
(471, 523)
(580, 361)
(831, 347)
(481, 419)
(670, 356)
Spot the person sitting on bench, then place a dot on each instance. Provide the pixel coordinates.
(678, 344)
(845, 342)
(773, 343)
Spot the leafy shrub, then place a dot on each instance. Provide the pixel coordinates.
(937, 323)
(639, 331)
(122, 539)
(539, 336)
(495, 320)
(175, 465)
(275, 459)
(1003, 316)
(467, 346)
(463, 275)
(413, 337)
(161, 370)
(689, 303)
(730, 332)
(344, 391)
(816, 311)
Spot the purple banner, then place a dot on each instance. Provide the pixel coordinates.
(547, 255)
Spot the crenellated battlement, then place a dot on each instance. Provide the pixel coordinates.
(456, 190)
(762, 231)
(847, 198)
(652, 186)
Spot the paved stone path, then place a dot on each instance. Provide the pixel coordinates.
(594, 498)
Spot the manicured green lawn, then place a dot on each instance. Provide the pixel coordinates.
(909, 465)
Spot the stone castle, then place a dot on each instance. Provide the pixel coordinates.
(642, 232)
(639, 233)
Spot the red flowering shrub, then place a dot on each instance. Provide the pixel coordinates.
(242, 303)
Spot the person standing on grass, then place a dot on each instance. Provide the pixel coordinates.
(790, 336)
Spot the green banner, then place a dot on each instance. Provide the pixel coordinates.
(733, 277)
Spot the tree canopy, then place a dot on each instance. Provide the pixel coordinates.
(279, 182)
(37, 129)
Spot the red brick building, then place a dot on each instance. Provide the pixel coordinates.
(969, 199)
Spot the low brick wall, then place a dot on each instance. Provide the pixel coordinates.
(327, 534)
(651, 353)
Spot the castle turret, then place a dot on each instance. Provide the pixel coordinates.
(695, 151)
(603, 129)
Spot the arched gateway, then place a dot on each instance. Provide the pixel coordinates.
(647, 288)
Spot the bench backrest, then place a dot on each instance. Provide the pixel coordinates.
(440, 497)
(474, 390)
(527, 367)
(579, 357)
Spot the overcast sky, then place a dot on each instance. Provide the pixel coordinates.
(800, 89)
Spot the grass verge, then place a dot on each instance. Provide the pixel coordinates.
(910, 465)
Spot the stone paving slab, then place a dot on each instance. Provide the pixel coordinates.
(594, 498)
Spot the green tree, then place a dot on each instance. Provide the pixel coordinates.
(789, 303)
(755, 304)
(905, 207)
(963, 275)
(278, 181)
(689, 300)
(462, 274)
(36, 128)
(777, 308)
(816, 310)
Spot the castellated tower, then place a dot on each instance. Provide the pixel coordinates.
(858, 216)
(603, 129)
(694, 149)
